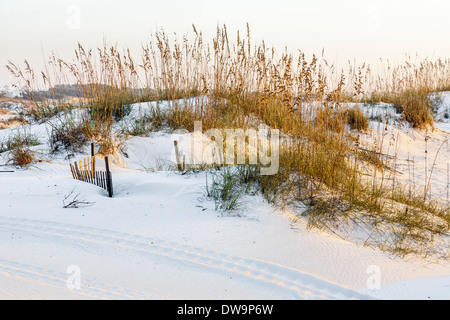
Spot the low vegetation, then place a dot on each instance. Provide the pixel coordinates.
(356, 119)
(18, 149)
(410, 87)
(243, 85)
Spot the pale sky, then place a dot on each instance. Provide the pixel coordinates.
(347, 29)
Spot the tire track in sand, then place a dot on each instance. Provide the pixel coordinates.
(301, 285)
(59, 280)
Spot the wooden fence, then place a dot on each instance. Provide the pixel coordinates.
(84, 170)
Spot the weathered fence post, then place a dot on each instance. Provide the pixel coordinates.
(93, 160)
(72, 170)
(92, 150)
(108, 179)
(177, 153)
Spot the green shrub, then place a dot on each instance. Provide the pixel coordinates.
(226, 190)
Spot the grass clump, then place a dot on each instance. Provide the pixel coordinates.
(110, 105)
(69, 136)
(151, 121)
(42, 113)
(415, 105)
(226, 190)
(22, 156)
(19, 140)
(357, 120)
(18, 148)
(409, 86)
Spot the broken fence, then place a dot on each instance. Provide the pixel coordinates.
(84, 170)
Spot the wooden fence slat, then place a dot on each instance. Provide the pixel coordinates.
(71, 169)
(77, 171)
(93, 165)
(88, 167)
